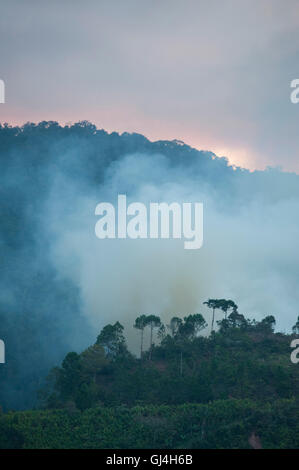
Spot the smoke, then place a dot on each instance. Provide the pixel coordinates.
(249, 252)
(60, 284)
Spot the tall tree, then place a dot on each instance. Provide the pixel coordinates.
(154, 322)
(213, 304)
(140, 324)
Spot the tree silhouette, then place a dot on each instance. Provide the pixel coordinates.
(213, 304)
(140, 324)
(174, 325)
(295, 328)
(267, 324)
(112, 340)
(236, 320)
(191, 326)
(154, 322)
(186, 330)
(227, 305)
(161, 332)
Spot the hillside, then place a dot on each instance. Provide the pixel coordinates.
(236, 388)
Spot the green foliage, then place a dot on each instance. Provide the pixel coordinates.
(233, 389)
(112, 340)
(191, 326)
(243, 359)
(224, 424)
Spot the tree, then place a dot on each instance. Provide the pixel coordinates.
(93, 360)
(192, 325)
(112, 340)
(213, 304)
(267, 324)
(161, 332)
(154, 322)
(68, 376)
(227, 305)
(236, 320)
(140, 324)
(295, 328)
(186, 329)
(174, 325)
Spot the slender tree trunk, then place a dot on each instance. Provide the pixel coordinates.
(213, 320)
(141, 344)
(151, 342)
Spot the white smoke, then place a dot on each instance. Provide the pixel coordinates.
(249, 252)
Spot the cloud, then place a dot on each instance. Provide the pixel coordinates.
(216, 75)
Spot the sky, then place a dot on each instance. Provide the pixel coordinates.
(215, 74)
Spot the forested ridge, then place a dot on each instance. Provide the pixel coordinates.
(233, 388)
(239, 359)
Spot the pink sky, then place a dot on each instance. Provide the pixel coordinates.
(215, 75)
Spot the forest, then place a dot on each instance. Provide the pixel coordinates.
(243, 359)
(84, 367)
(234, 387)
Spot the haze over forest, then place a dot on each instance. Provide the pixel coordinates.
(60, 284)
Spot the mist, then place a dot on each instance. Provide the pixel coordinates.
(248, 252)
(61, 284)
